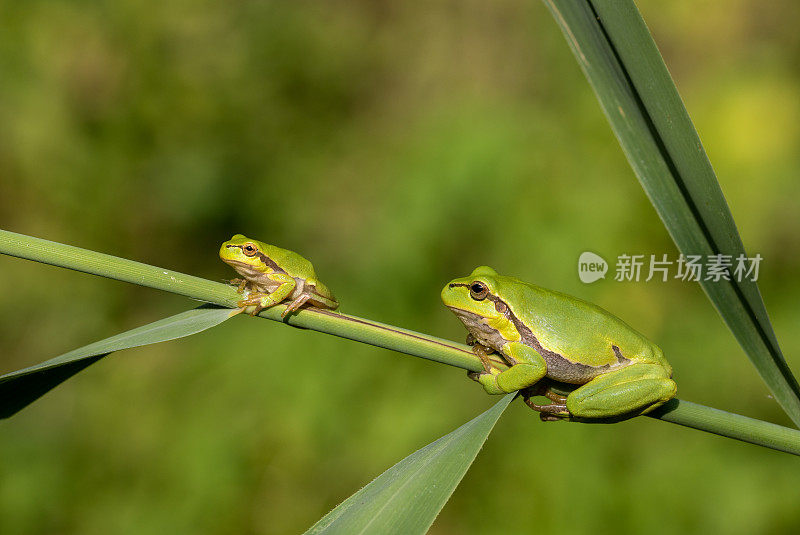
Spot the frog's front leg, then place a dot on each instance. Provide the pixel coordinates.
(260, 301)
(491, 361)
(241, 284)
(529, 368)
(482, 352)
(635, 389)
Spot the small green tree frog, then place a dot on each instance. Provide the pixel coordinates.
(542, 334)
(273, 275)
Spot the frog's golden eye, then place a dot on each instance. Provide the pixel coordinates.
(249, 249)
(478, 291)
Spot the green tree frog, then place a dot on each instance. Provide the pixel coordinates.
(546, 334)
(273, 275)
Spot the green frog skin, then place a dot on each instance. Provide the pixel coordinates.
(542, 334)
(273, 275)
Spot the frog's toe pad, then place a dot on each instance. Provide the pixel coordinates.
(555, 410)
(475, 376)
(545, 417)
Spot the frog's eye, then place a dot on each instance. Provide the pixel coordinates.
(478, 291)
(249, 249)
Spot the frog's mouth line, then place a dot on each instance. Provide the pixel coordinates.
(238, 264)
(468, 314)
(234, 262)
(243, 268)
(477, 326)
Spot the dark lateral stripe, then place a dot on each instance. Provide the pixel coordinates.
(524, 331)
(618, 354)
(557, 363)
(559, 367)
(270, 262)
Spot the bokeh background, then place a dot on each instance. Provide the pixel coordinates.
(397, 145)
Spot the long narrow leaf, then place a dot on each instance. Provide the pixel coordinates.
(407, 497)
(619, 58)
(20, 388)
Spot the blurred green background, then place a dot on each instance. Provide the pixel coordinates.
(397, 145)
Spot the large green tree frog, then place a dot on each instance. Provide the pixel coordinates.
(273, 275)
(545, 334)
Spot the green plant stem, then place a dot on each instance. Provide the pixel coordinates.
(362, 330)
(729, 425)
(351, 327)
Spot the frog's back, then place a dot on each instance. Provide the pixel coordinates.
(288, 261)
(576, 329)
(301, 269)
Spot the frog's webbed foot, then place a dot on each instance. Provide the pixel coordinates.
(544, 388)
(551, 412)
(240, 283)
(253, 300)
(296, 304)
(475, 376)
(482, 352)
(543, 416)
(492, 362)
(490, 367)
(253, 309)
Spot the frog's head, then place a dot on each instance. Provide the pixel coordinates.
(244, 254)
(474, 299)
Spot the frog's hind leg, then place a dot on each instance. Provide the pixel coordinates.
(552, 411)
(634, 389)
(294, 305)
